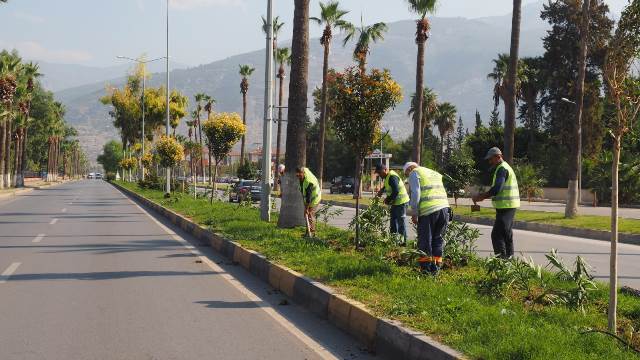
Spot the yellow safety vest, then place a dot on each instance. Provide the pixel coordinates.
(403, 196)
(310, 179)
(509, 195)
(433, 196)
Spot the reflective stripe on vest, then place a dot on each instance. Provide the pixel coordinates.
(509, 195)
(432, 193)
(403, 196)
(310, 179)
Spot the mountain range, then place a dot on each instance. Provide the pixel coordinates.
(458, 58)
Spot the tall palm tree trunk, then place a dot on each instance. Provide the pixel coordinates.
(279, 132)
(199, 134)
(571, 210)
(3, 129)
(244, 121)
(7, 153)
(510, 101)
(23, 157)
(16, 157)
(323, 114)
(292, 210)
(419, 99)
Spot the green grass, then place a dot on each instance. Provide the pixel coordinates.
(594, 222)
(449, 308)
(345, 198)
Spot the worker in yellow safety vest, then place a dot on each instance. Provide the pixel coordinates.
(505, 197)
(311, 196)
(430, 205)
(397, 199)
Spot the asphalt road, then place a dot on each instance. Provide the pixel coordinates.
(87, 274)
(536, 245)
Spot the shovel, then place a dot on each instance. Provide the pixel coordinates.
(306, 220)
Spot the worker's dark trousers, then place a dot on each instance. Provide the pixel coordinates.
(398, 221)
(431, 229)
(502, 233)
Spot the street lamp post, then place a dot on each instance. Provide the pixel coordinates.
(265, 199)
(168, 170)
(144, 80)
(579, 140)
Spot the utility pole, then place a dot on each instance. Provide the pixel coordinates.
(265, 199)
(168, 124)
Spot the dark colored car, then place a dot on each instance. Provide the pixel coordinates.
(342, 185)
(245, 188)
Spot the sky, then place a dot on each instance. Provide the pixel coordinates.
(94, 32)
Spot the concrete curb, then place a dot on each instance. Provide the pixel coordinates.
(20, 191)
(385, 337)
(588, 234)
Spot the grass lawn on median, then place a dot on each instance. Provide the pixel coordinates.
(452, 307)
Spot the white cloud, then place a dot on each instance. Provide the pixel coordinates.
(190, 4)
(34, 19)
(34, 50)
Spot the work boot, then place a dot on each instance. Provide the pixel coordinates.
(426, 268)
(435, 269)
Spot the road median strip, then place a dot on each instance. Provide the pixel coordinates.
(378, 334)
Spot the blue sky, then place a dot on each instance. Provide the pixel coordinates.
(93, 32)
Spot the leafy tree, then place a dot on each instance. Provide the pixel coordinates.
(170, 152)
(624, 94)
(530, 180)
(446, 122)
(361, 100)
(331, 17)
(422, 8)
(248, 170)
(245, 72)
(177, 109)
(460, 133)
(494, 120)
(291, 212)
(366, 35)
(111, 156)
(223, 131)
(478, 120)
(459, 172)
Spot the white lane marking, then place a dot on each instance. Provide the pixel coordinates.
(309, 342)
(38, 238)
(7, 273)
(64, 210)
(53, 221)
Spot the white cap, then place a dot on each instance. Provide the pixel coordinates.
(408, 165)
(281, 168)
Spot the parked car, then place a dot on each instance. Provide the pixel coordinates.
(342, 185)
(91, 176)
(245, 188)
(98, 176)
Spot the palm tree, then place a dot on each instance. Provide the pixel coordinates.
(530, 89)
(10, 72)
(245, 72)
(422, 8)
(446, 122)
(331, 17)
(499, 76)
(31, 72)
(367, 35)
(283, 56)
(429, 111)
(571, 209)
(512, 86)
(208, 107)
(277, 27)
(291, 212)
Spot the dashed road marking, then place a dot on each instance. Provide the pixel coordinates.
(53, 221)
(64, 210)
(8, 272)
(38, 238)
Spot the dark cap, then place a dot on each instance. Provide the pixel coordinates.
(380, 168)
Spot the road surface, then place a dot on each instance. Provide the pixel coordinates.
(87, 274)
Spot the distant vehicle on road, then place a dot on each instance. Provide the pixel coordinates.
(342, 185)
(98, 176)
(245, 189)
(91, 176)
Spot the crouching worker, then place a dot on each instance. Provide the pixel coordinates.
(311, 195)
(397, 199)
(430, 212)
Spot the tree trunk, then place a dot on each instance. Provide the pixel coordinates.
(23, 157)
(16, 157)
(323, 113)
(512, 75)
(7, 153)
(613, 262)
(215, 178)
(292, 209)
(419, 99)
(3, 129)
(244, 121)
(279, 132)
(573, 188)
(210, 177)
(358, 190)
(201, 152)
